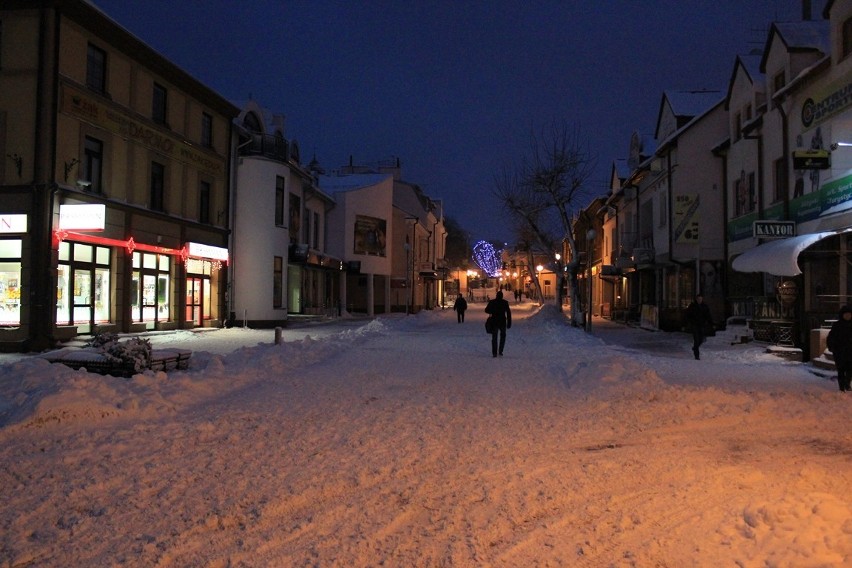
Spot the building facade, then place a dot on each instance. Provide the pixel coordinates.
(281, 266)
(114, 181)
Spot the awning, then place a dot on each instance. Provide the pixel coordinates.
(780, 257)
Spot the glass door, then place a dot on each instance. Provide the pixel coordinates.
(194, 301)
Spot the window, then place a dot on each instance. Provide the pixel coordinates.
(307, 222)
(780, 179)
(204, 202)
(748, 113)
(664, 204)
(206, 130)
(93, 157)
(316, 230)
(295, 219)
(150, 287)
(752, 192)
(158, 108)
(778, 82)
(10, 282)
(277, 282)
(96, 69)
(279, 201)
(738, 126)
(82, 285)
(740, 196)
(846, 47)
(158, 180)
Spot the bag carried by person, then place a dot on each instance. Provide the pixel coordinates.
(489, 324)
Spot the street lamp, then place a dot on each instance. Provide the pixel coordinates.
(590, 238)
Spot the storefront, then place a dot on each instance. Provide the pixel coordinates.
(110, 284)
(13, 228)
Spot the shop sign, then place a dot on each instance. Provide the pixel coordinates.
(811, 160)
(13, 223)
(200, 250)
(83, 217)
(774, 229)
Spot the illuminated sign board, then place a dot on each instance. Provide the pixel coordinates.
(11, 223)
(85, 217)
(200, 250)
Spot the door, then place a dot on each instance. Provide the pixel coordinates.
(194, 301)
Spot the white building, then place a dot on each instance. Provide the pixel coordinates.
(280, 265)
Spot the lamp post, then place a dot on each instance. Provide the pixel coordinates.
(590, 239)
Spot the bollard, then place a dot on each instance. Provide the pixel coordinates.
(277, 336)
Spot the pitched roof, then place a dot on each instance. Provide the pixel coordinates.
(799, 37)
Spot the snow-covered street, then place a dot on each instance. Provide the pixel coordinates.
(402, 442)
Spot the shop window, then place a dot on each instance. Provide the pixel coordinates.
(10, 282)
(83, 285)
(96, 69)
(150, 288)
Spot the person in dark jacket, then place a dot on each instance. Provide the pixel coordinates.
(700, 322)
(501, 315)
(839, 342)
(460, 306)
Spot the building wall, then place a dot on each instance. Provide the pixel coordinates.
(46, 113)
(257, 240)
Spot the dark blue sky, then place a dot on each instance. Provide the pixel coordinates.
(453, 89)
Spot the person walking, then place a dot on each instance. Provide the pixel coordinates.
(700, 321)
(839, 342)
(501, 315)
(460, 306)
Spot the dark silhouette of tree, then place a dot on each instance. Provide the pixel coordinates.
(543, 192)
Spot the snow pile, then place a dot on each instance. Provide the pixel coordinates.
(402, 442)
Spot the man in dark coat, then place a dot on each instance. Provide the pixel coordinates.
(700, 321)
(501, 315)
(460, 306)
(839, 342)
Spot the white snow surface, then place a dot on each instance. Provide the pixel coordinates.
(400, 441)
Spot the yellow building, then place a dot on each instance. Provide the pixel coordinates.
(114, 181)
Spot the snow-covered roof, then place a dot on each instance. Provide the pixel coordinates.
(336, 183)
(810, 35)
(692, 103)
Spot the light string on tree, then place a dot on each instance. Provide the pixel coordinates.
(487, 258)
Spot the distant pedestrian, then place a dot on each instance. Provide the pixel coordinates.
(700, 322)
(839, 342)
(501, 315)
(460, 306)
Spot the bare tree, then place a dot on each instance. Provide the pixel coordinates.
(542, 192)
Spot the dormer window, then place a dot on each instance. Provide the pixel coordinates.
(846, 48)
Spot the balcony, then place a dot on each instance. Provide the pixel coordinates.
(266, 145)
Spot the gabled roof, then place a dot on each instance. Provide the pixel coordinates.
(686, 105)
(750, 64)
(691, 122)
(799, 37)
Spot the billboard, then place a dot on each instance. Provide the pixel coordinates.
(370, 236)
